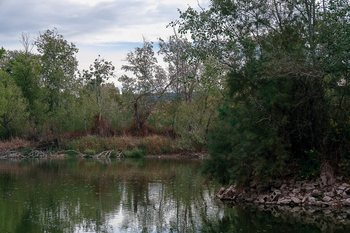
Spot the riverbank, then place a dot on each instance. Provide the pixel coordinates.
(95, 146)
(327, 191)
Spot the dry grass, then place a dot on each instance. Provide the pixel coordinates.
(14, 143)
(154, 144)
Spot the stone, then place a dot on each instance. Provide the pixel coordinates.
(340, 178)
(312, 200)
(295, 190)
(347, 202)
(323, 180)
(275, 195)
(263, 199)
(309, 188)
(305, 199)
(221, 191)
(283, 186)
(341, 187)
(296, 200)
(283, 202)
(329, 194)
(345, 184)
(331, 181)
(316, 193)
(326, 199)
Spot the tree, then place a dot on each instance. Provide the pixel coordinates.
(13, 106)
(59, 64)
(277, 110)
(98, 73)
(149, 83)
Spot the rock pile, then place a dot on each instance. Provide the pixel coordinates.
(327, 191)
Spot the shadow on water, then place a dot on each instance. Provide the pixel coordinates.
(134, 195)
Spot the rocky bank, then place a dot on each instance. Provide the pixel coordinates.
(326, 191)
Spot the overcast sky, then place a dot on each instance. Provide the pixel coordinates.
(110, 28)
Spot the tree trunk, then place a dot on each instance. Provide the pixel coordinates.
(7, 125)
(137, 116)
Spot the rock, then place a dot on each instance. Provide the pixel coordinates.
(331, 181)
(275, 195)
(283, 202)
(346, 202)
(316, 193)
(305, 199)
(345, 184)
(221, 191)
(228, 194)
(296, 200)
(312, 200)
(329, 194)
(326, 199)
(342, 187)
(263, 199)
(309, 188)
(339, 178)
(323, 181)
(295, 190)
(283, 186)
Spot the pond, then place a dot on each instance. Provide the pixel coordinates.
(134, 195)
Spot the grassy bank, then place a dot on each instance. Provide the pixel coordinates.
(93, 144)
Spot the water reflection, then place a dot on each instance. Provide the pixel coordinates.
(126, 195)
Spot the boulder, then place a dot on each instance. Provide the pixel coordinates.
(283, 202)
(316, 193)
(347, 202)
(296, 200)
(326, 199)
(329, 194)
(283, 186)
(323, 180)
(331, 181)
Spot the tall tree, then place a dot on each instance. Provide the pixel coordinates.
(279, 101)
(95, 77)
(149, 83)
(59, 64)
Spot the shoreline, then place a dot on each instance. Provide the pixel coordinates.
(327, 191)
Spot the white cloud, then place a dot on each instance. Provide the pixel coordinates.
(96, 26)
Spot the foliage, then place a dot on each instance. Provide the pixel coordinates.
(285, 80)
(13, 107)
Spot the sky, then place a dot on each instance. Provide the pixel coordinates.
(110, 28)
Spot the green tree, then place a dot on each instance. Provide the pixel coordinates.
(13, 107)
(149, 83)
(95, 77)
(279, 101)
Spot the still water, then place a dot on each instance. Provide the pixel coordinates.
(131, 195)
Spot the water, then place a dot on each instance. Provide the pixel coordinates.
(132, 195)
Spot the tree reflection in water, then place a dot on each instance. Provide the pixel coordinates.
(126, 195)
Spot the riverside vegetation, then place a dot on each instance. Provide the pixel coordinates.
(263, 85)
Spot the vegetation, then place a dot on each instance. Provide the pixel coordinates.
(287, 99)
(268, 80)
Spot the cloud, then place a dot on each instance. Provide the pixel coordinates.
(110, 28)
